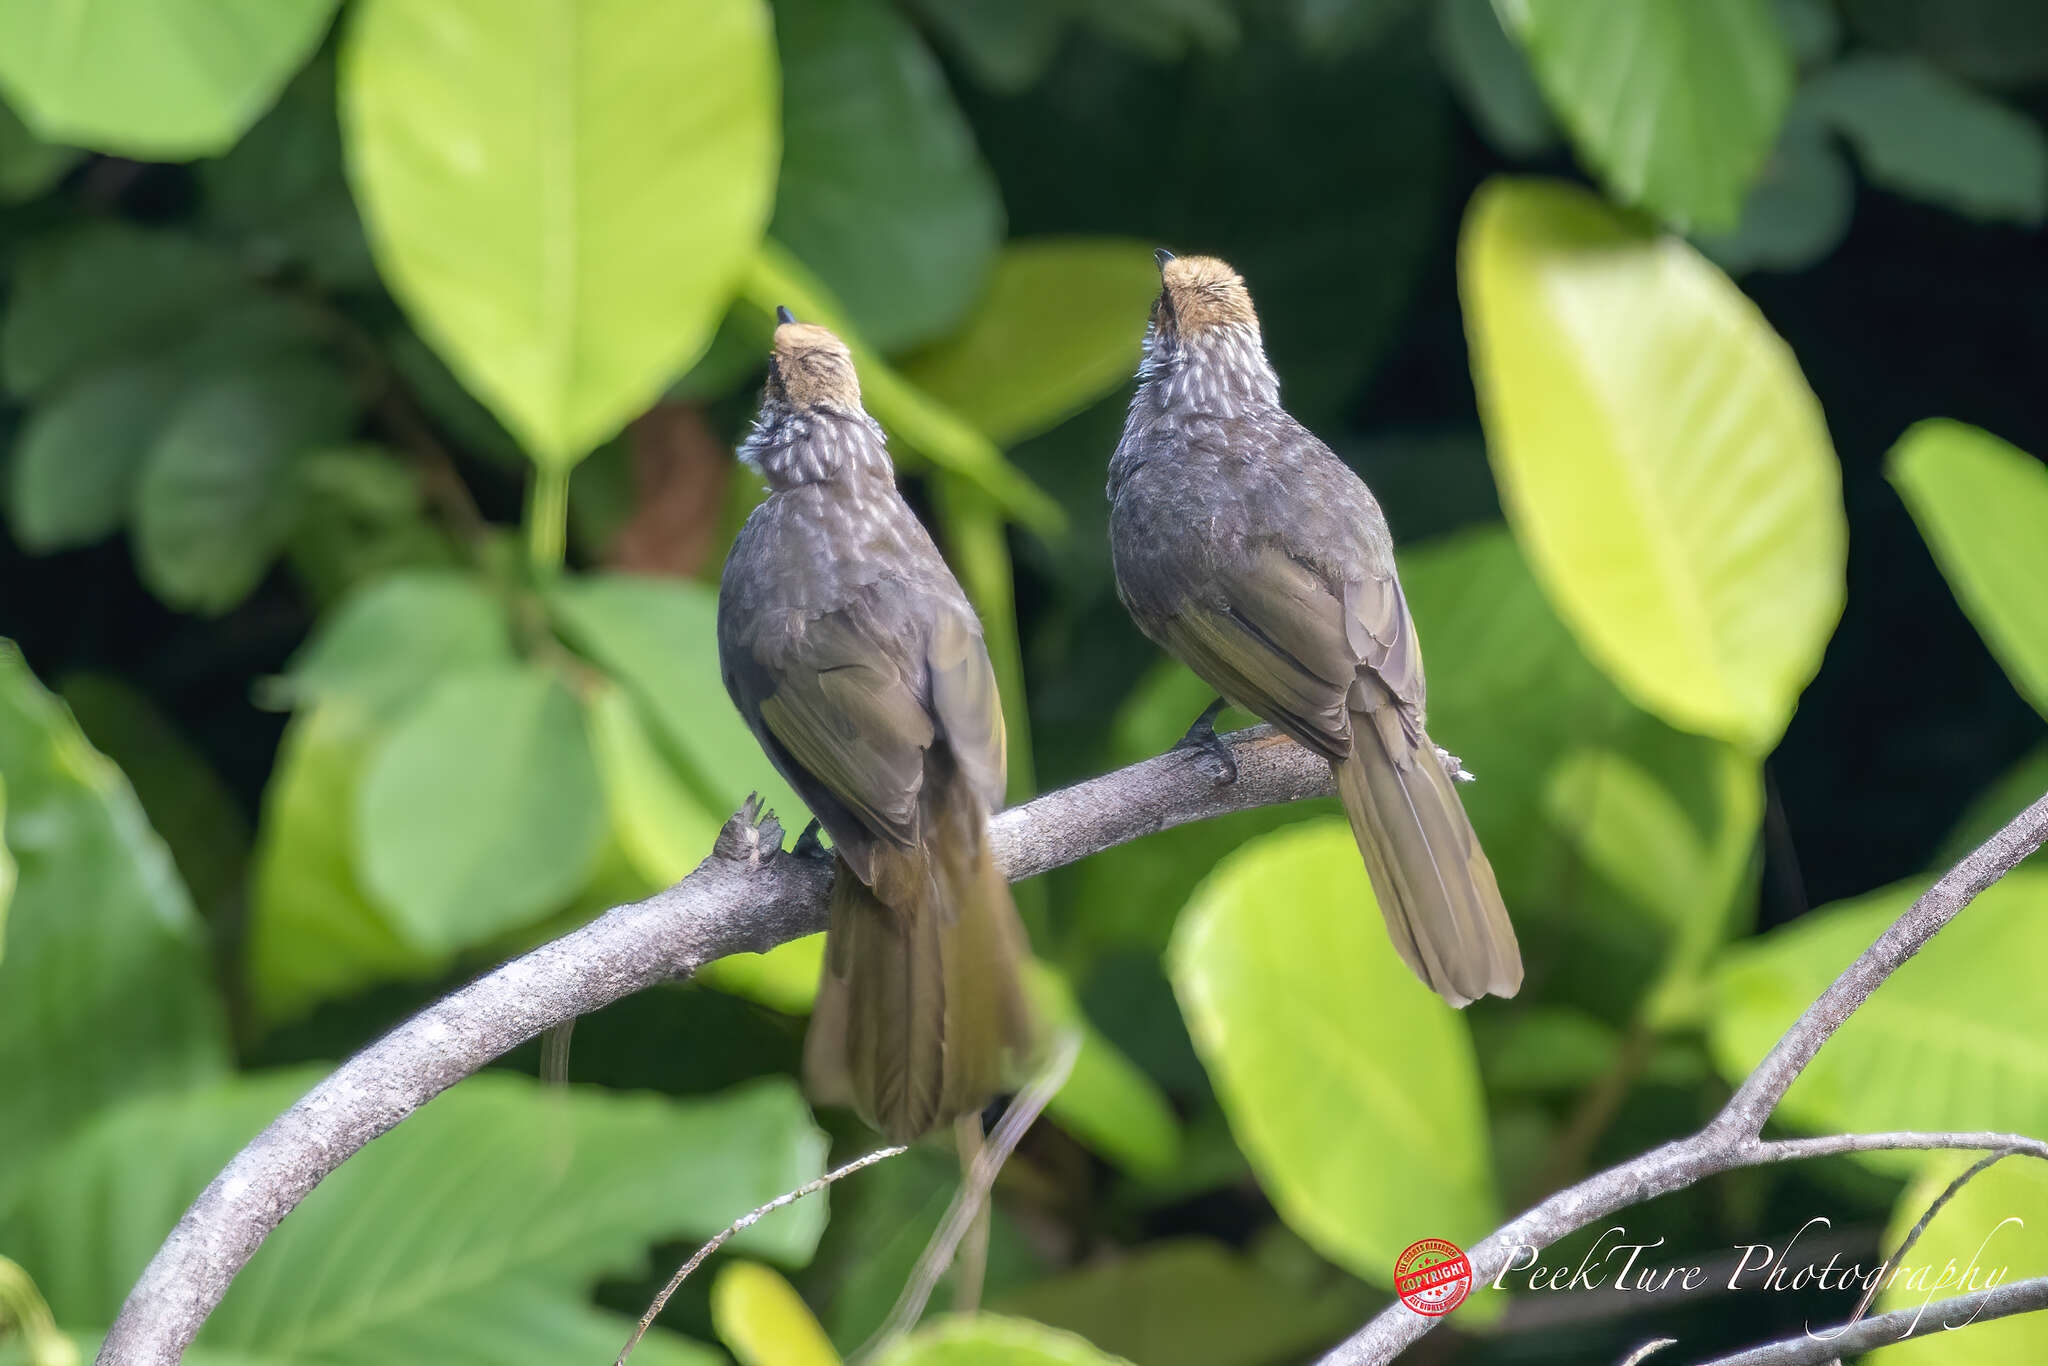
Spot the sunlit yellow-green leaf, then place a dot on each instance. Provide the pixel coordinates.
(562, 193)
(764, 1322)
(1994, 1225)
(663, 827)
(1982, 506)
(1674, 103)
(1956, 1039)
(1060, 324)
(159, 80)
(1323, 1046)
(991, 1340)
(1659, 455)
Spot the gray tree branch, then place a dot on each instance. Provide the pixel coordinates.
(1732, 1139)
(747, 897)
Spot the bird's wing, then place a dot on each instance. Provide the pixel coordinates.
(1381, 634)
(965, 701)
(1270, 635)
(846, 715)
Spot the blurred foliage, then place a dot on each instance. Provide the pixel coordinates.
(331, 685)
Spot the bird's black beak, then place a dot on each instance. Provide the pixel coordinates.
(783, 315)
(1162, 256)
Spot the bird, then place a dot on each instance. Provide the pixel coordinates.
(856, 660)
(1244, 547)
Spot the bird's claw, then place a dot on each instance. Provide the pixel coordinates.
(808, 845)
(1214, 750)
(1454, 767)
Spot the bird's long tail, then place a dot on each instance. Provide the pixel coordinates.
(1431, 878)
(921, 1014)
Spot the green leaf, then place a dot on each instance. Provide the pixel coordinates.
(764, 1321)
(1675, 105)
(1059, 326)
(546, 197)
(1492, 78)
(387, 643)
(914, 417)
(1311, 1027)
(883, 192)
(282, 190)
(75, 467)
(314, 933)
(1798, 211)
(157, 80)
(1812, 29)
(1191, 1302)
(990, 1340)
(1631, 827)
(480, 810)
(28, 165)
(1956, 1039)
(1006, 46)
(1660, 458)
(1925, 134)
(187, 802)
(9, 871)
(1982, 505)
(1993, 42)
(218, 493)
(364, 517)
(1543, 1049)
(391, 1259)
(1326, 28)
(659, 637)
(105, 989)
(1992, 1225)
(663, 828)
(1107, 1102)
(102, 293)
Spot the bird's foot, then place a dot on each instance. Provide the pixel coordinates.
(1454, 767)
(808, 845)
(1213, 749)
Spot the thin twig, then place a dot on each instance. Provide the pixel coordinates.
(2017, 1297)
(1654, 1345)
(1913, 1235)
(977, 1181)
(973, 1258)
(732, 1230)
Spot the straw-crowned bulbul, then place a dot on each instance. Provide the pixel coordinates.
(1248, 550)
(855, 658)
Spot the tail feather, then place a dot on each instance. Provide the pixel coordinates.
(1437, 891)
(921, 1015)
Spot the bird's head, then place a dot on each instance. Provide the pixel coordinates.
(810, 366)
(1199, 294)
(1203, 347)
(812, 425)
